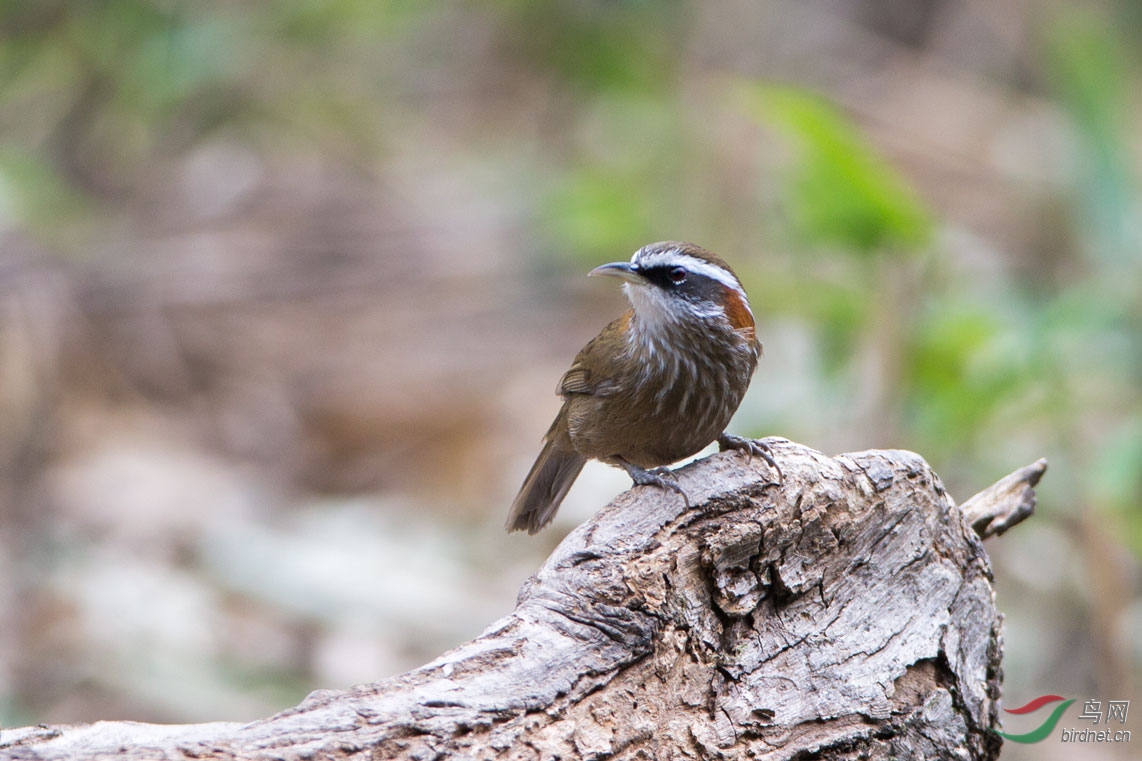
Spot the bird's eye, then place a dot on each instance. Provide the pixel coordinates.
(678, 275)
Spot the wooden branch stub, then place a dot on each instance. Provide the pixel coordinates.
(1007, 502)
(845, 613)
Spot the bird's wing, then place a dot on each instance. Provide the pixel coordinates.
(577, 380)
(595, 370)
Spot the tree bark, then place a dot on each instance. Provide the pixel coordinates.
(843, 611)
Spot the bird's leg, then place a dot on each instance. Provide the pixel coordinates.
(751, 447)
(643, 477)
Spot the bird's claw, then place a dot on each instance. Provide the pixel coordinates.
(656, 477)
(751, 447)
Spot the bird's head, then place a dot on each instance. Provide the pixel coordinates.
(672, 284)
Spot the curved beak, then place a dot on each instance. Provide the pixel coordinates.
(625, 270)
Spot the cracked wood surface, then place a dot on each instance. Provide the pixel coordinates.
(844, 613)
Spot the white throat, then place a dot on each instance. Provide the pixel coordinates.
(659, 320)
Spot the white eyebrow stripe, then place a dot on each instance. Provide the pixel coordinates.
(693, 264)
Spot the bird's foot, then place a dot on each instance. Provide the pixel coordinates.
(751, 447)
(643, 477)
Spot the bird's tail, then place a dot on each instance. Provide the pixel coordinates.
(547, 483)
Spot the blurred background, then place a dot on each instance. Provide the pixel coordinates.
(286, 288)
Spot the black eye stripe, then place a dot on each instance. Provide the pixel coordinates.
(673, 276)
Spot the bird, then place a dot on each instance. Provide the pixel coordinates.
(656, 385)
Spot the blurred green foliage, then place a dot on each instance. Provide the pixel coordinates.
(595, 208)
(1094, 319)
(840, 193)
(1088, 69)
(840, 200)
(596, 46)
(960, 373)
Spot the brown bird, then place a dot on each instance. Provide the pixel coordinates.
(656, 385)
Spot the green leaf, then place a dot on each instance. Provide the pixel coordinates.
(34, 193)
(961, 372)
(840, 192)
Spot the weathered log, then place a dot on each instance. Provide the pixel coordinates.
(845, 611)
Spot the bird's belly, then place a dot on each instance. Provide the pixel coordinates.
(651, 430)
